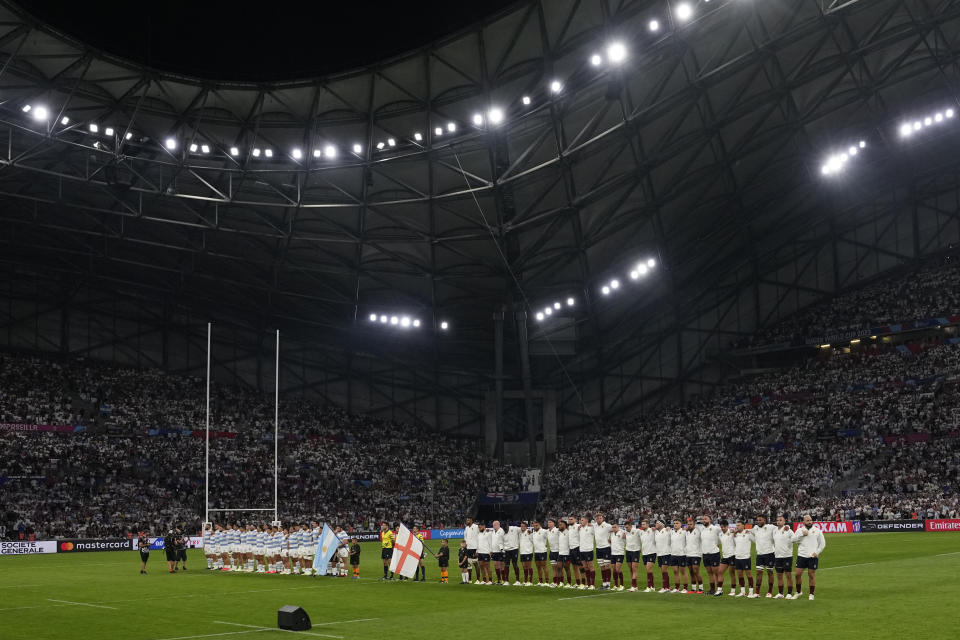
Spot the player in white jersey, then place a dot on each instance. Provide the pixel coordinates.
(783, 557)
(539, 539)
(710, 547)
(587, 542)
(617, 552)
(573, 540)
(343, 551)
(238, 555)
(662, 539)
(678, 558)
(762, 533)
(496, 545)
(207, 535)
(693, 552)
(742, 541)
(526, 554)
(601, 535)
(810, 544)
(632, 546)
(484, 554)
(511, 546)
(648, 552)
(470, 532)
(727, 558)
(259, 548)
(293, 545)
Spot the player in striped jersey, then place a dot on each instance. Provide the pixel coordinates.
(293, 544)
(343, 553)
(236, 548)
(208, 544)
(260, 548)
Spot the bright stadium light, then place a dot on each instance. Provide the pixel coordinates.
(605, 290)
(65, 120)
(596, 60)
(927, 121)
(193, 146)
(234, 151)
(654, 26)
(651, 263)
(380, 145)
(297, 154)
(571, 302)
(391, 142)
(357, 149)
(170, 144)
(556, 86)
(330, 151)
(557, 305)
(616, 52)
(93, 128)
(383, 319)
(906, 129)
(948, 113)
(548, 311)
(394, 320)
(451, 126)
(204, 148)
(438, 131)
(317, 153)
(256, 152)
(126, 137)
(684, 11)
(26, 108)
(418, 136)
(108, 132)
(478, 119)
(917, 125)
(416, 323)
(41, 113)
(634, 274)
(495, 115)
(444, 326)
(268, 153)
(96, 145)
(404, 321)
(852, 150)
(938, 117)
(525, 100)
(614, 284)
(539, 316)
(373, 317)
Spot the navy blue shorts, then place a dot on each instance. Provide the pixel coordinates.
(650, 558)
(663, 561)
(483, 557)
(807, 563)
(727, 561)
(540, 557)
(575, 554)
(526, 557)
(633, 556)
(555, 556)
(498, 556)
(741, 565)
(765, 561)
(784, 565)
(678, 561)
(563, 557)
(603, 553)
(711, 559)
(616, 559)
(510, 554)
(586, 556)
(472, 554)
(693, 561)
(386, 554)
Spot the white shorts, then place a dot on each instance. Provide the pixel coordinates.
(259, 551)
(283, 553)
(210, 550)
(343, 553)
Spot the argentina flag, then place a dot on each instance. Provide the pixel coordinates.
(326, 547)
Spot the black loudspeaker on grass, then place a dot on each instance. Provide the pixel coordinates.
(293, 618)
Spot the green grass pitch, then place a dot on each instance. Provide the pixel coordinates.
(880, 585)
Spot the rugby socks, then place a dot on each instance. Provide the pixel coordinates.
(465, 577)
(633, 582)
(443, 575)
(649, 581)
(666, 579)
(384, 571)
(812, 589)
(423, 573)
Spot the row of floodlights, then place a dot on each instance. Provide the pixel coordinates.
(837, 162)
(640, 270)
(404, 322)
(907, 129)
(556, 306)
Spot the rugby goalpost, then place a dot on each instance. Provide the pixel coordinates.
(276, 434)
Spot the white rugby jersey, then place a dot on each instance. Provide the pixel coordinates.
(295, 540)
(617, 542)
(484, 541)
(692, 543)
(678, 542)
(727, 544)
(573, 535)
(810, 541)
(632, 539)
(497, 543)
(470, 535)
(526, 542)
(662, 537)
(207, 538)
(539, 539)
(511, 538)
(586, 538)
(602, 533)
(215, 538)
(648, 543)
(553, 539)
(741, 544)
(763, 537)
(710, 539)
(783, 542)
(564, 543)
(261, 538)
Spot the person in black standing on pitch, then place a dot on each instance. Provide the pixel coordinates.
(181, 549)
(169, 548)
(143, 544)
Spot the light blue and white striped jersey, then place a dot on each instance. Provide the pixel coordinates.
(295, 540)
(261, 538)
(207, 538)
(236, 536)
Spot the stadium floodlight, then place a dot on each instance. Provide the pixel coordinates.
(41, 113)
(330, 151)
(548, 311)
(596, 60)
(938, 117)
(948, 113)
(906, 129)
(404, 321)
(444, 325)
(451, 126)
(917, 125)
(556, 86)
(634, 274)
(852, 150)
(170, 144)
(234, 151)
(478, 119)
(96, 144)
(539, 316)
(268, 153)
(418, 136)
(927, 121)
(256, 152)
(391, 142)
(394, 320)
(571, 302)
(380, 145)
(383, 319)
(862, 144)
(684, 11)
(614, 284)
(297, 154)
(26, 108)
(495, 115)
(416, 323)
(438, 131)
(525, 99)
(616, 52)
(373, 317)
(357, 149)
(654, 25)
(193, 146)
(605, 290)
(65, 120)
(557, 305)
(651, 263)
(108, 132)
(317, 153)
(93, 128)
(128, 136)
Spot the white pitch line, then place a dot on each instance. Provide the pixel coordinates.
(225, 633)
(253, 626)
(82, 604)
(847, 566)
(592, 595)
(323, 624)
(21, 586)
(952, 553)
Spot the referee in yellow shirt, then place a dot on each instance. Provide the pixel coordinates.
(386, 552)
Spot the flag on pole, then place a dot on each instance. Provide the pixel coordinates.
(407, 550)
(326, 547)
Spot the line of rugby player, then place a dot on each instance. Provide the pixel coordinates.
(268, 549)
(678, 552)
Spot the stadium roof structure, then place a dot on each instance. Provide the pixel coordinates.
(250, 206)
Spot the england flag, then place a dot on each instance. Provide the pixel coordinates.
(407, 550)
